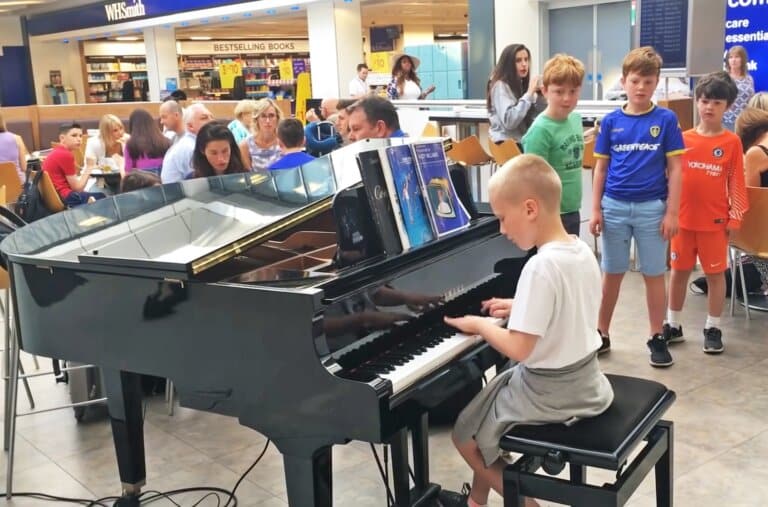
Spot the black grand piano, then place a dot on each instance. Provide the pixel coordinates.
(265, 298)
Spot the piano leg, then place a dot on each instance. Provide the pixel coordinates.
(124, 397)
(423, 492)
(400, 468)
(309, 479)
(420, 438)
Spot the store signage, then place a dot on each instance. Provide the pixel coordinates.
(746, 24)
(119, 11)
(109, 12)
(236, 47)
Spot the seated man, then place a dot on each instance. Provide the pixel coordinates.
(290, 135)
(320, 133)
(373, 118)
(60, 166)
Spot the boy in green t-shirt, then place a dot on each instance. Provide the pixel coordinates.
(557, 134)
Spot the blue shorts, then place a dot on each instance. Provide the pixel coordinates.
(624, 220)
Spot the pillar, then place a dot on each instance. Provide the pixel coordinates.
(162, 60)
(335, 45)
(525, 24)
(482, 47)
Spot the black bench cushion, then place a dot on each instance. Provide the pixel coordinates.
(637, 406)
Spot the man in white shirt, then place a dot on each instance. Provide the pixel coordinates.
(177, 164)
(358, 87)
(171, 118)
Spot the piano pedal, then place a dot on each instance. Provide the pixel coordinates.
(127, 501)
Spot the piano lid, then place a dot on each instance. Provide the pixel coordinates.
(186, 228)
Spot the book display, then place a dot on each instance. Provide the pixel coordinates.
(116, 79)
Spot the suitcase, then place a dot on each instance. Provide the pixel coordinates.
(86, 384)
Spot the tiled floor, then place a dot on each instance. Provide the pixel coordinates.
(721, 432)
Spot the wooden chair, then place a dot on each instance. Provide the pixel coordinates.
(751, 239)
(504, 151)
(50, 196)
(431, 130)
(9, 178)
(589, 154)
(469, 152)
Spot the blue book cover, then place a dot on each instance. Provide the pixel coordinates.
(409, 195)
(446, 212)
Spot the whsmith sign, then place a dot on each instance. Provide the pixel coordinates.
(112, 12)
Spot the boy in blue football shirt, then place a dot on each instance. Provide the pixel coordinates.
(636, 194)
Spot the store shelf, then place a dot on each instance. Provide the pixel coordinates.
(107, 77)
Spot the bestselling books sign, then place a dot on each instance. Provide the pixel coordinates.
(746, 24)
(239, 47)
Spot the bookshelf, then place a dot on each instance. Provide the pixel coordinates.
(106, 77)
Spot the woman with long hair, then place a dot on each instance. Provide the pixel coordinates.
(513, 97)
(736, 65)
(147, 145)
(216, 152)
(405, 84)
(261, 147)
(108, 146)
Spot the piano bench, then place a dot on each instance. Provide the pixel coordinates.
(605, 441)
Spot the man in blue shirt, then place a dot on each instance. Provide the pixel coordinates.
(177, 164)
(373, 118)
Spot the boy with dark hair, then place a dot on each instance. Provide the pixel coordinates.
(636, 194)
(557, 133)
(712, 203)
(290, 136)
(551, 329)
(60, 166)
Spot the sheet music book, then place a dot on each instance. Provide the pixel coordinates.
(395, 203)
(381, 206)
(409, 195)
(445, 209)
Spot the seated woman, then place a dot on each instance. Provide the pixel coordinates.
(137, 180)
(216, 152)
(12, 149)
(108, 146)
(261, 147)
(147, 145)
(241, 125)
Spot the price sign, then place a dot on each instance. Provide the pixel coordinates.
(380, 62)
(286, 69)
(228, 72)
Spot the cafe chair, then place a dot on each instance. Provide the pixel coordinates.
(50, 196)
(469, 152)
(431, 130)
(9, 178)
(589, 154)
(751, 239)
(607, 441)
(503, 151)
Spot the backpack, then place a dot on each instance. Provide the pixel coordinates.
(30, 205)
(752, 281)
(9, 222)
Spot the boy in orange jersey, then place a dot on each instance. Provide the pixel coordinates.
(712, 203)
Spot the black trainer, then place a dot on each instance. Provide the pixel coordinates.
(713, 341)
(660, 356)
(673, 334)
(606, 345)
(453, 499)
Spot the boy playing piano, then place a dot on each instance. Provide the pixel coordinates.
(551, 332)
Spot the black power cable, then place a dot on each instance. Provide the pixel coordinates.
(242, 477)
(384, 478)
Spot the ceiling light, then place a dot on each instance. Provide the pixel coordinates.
(3, 3)
(200, 37)
(126, 38)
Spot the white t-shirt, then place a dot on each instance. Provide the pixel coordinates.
(358, 87)
(558, 299)
(411, 91)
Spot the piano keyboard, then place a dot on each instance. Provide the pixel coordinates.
(424, 344)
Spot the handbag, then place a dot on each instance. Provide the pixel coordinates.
(30, 205)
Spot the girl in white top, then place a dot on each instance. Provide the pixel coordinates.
(405, 84)
(108, 146)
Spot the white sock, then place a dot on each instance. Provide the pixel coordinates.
(712, 322)
(673, 318)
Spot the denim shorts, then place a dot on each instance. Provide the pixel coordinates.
(623, 221)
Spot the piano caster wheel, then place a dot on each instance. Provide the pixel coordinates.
(128, 501)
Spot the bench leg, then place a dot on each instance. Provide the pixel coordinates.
(664, 469)
(578, 474)
(512, 496)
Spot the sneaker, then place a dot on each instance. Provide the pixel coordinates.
(606, 345)
(673, 334)
(713, 341)
(453, 499)
(660, 355)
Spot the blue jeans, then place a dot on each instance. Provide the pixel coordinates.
(623, 221)
(78, 198)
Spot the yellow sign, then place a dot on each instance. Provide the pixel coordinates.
(228, 72)
(380, 62)
(286, 69)
(303, 92)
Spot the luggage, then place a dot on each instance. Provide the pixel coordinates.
(86, 384)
